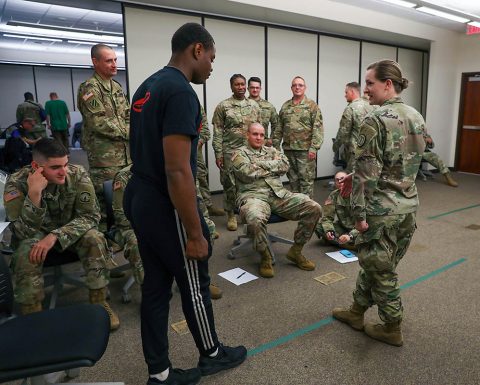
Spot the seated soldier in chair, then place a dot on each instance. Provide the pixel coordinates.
(257, 170)
(337, 225)
(52, 205)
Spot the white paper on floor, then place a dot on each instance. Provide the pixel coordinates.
(237, 276)
(339, 257)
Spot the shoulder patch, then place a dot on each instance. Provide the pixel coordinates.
(87, 96)
(7, 197)
(117, 185)
(85, 197)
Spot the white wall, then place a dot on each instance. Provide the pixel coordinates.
(450, 54)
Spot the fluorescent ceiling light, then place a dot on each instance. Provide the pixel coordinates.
(31, 37)
(458, 6)
(474, 24)
(88, 43)
(445, 15)
(42, 32)
(401, 3)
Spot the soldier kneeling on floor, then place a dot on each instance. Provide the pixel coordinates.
(51, 205)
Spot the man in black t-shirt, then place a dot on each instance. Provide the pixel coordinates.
(160, 202)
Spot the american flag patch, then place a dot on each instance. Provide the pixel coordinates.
(87, 96)
(7, 197)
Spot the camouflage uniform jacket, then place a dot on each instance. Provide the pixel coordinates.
(300, 126)
(268, 116)
(119, 183)
(204, 135)
(339, 208)
(67, 210)
(258, 172)
(387, 157)
(230, 124)
(350, 122)
(106, 122)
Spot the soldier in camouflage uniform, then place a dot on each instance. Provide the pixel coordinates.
(384, 200)
(268, 113)
(202, 170)
(30, 109)
(124, 235)
(106, 122)
(257, 170)
(432, 158)
(301, 129)
(337, 225)
(352, 117)
(52, 204)
(230, 123)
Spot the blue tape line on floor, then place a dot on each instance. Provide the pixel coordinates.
(328, 320)
(453, 211)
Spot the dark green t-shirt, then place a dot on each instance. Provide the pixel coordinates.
(58, 111)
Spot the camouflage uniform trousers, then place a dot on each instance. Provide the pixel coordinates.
(98, 175)
(228, 182)
(435, 161)
(204, 210)
(202, 173)
(297, 207)
(338, 228)
(91, 250)
(380, 249)
(301, 173)
(128, 241)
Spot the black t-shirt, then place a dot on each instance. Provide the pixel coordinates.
(165, 104)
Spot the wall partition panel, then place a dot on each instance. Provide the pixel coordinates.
(338, 65)
(240, 49)
(411, 63)
(148, 35)
(54, 79)
(372, 53)
(290, 54)
(15, 80)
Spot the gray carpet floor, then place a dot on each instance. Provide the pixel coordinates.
(286, 323)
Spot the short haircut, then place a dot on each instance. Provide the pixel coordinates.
(236, 76)
(254, 79)
(255, 124)
(97, 48)
(298, 77)
(28, 96)
(48, 148)
(52, 94)
(191, 33)
(354, 85)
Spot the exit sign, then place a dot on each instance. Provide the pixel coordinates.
(472, 30)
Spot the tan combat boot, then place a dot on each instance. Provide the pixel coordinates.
(216, 234)
(29, 309)
(215, 211)
(266, 268)
(215, 292)
(295, 255)
(352, 316)
(390, 333)
(99, 296)
(449, 180)
(232, 221)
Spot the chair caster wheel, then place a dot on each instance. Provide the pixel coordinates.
(126, 298)
(231, 256)
(236, 242)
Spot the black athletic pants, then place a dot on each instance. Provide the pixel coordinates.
(161, 241)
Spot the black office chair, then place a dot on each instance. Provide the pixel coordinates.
(110, 234)
(37, 344)
(245, 241)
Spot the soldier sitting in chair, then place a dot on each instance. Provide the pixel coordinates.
(52, 205)
(257, 170)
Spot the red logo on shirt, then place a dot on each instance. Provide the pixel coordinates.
(137, 106)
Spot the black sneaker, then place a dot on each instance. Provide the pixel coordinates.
(226, 358)
(179, 377)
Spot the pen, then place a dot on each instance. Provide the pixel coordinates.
(241, 275)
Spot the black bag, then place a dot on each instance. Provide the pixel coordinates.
(16, 154)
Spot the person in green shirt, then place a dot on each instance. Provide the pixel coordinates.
(58, 118)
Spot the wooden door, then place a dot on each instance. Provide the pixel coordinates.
(468, 137)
